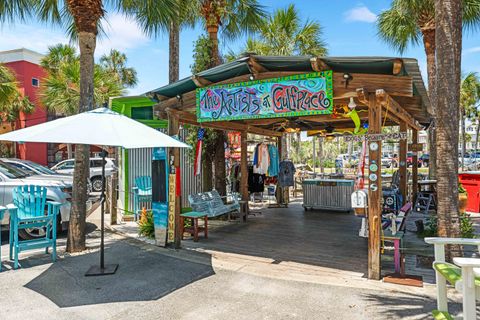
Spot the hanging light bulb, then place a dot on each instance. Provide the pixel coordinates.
(352, 104)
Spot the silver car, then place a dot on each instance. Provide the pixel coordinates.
(37, 171)
(11, 177)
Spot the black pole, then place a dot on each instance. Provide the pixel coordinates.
(102, 212)
(109, 268)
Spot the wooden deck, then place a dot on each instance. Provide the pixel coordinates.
(320, 238)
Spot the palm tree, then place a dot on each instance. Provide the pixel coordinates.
(469, 90)
(12, 102)
(284, 34)
(232, 18)
(448, 29)
(115, 64)
(411, 21)
(80, 18)
(155, 20)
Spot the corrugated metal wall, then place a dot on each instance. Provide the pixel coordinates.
(139, 162)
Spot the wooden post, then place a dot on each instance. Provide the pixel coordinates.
(374, 190)
(173, 129)
(113, 198)
(414, 165)
(244, 172)
(402, 164)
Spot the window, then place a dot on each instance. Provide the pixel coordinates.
(35, 82)
(96, 163)
(66, 165)
(142, 113)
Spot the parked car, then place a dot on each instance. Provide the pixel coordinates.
(11, 177)
(66, 167)
(424, 160)
(388, 160)
(42, 172)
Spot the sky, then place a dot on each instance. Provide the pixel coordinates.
(348, 26)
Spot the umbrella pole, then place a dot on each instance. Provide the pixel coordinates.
(109, 268)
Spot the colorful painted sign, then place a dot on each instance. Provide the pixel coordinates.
(377, 137)
(160, 221)
(298, 95)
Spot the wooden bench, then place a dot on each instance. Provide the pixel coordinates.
(211, 204)
(195, 228)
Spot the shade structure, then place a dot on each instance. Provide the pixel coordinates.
(104, 127)
(101, 126)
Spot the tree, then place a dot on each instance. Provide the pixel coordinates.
(155, 20)
(469, 90)
(283, 33)
(12, 102)
(448, 29)
(232, 18)
(115, 64)
(411, 21)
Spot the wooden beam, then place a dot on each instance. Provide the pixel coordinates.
(394, 85)
(190, 118)
(362, 95)
(200, 81)
(414, 166)
(390, 105)
(318, 64)
(397, 66)
(374, 194)
(255, 67)
(402, 165)
(173, 129)
(244, 173)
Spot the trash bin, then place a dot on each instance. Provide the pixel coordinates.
(471, 183)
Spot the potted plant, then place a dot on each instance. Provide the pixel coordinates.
(462, 198)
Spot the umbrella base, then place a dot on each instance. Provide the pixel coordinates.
(98, 271)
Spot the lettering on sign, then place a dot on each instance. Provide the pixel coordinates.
(377, 137)
(171, 208)
(298, 95)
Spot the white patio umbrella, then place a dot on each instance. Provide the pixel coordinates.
(104, 127)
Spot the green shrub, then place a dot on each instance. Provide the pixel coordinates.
(145, 225)
(466, 226)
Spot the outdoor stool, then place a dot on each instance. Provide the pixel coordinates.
(195, 228)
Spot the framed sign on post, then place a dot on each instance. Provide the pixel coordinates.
(298, 95)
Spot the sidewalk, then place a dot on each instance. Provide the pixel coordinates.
(159, 283)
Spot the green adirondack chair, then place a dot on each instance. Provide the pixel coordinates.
(142, 193)
(30, 209)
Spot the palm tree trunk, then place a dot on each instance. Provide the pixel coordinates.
(448, 21)
(173, 52)
(76, 231)
(464, 142)
(69, 151)
(477, 132)
(429, 45)
(219, 159)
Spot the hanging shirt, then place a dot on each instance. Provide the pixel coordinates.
(263, 158)
(285, 174)
(274, 161)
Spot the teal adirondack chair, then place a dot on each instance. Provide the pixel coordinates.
(30, 209)
(2, 212)
(142, 193)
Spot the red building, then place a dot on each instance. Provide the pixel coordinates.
(26, 65)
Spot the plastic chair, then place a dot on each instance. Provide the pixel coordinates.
(142, 192)
(30, 209)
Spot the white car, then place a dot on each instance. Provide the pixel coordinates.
(43, 173)
(11, 177)
(67, 166)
